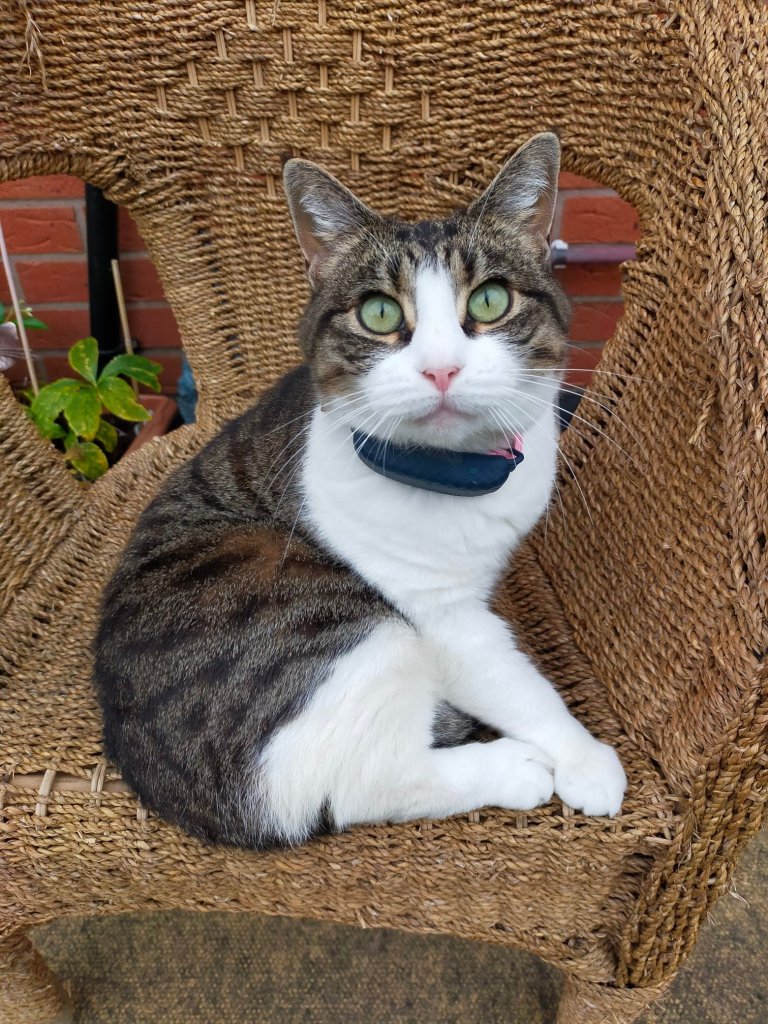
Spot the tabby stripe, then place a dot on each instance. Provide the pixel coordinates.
(547, 299)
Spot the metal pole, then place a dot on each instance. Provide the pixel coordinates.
(101, 231)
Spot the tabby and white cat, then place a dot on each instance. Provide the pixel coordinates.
(298, 636)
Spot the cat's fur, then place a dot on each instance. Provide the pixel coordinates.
(293, 642)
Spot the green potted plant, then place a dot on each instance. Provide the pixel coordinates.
(90, 416)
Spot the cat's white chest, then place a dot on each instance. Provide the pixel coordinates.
(419, 548)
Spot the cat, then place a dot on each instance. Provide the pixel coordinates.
(298, 636)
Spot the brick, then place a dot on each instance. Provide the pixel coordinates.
(53, 280)
(50, 366)
(140, 280)
(603, 218)
(569, 180)
(588, 279)
(128, 233)
(17, 374)
(41, 229)
(48, 186)
(594, 321)
(55, 367)
(154, 326)
(65, 327)
(581, 362)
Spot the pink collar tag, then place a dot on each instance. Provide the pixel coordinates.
(517, 446)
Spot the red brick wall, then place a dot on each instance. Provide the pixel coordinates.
(589, 214)
(44, 223)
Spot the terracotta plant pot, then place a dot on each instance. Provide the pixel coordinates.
(163, 411)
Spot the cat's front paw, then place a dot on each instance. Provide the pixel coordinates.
(527, 782)
(591, 780)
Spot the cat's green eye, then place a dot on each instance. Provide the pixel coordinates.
(489, 302)
(380, 314)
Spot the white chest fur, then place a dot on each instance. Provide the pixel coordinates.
(420, 548)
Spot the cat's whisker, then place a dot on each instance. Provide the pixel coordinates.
(345, 400)
(584, 397)
(515, 429)
(574, 416)
(576, 481)
(586, 436)
(293, 530)
(288, 483)
(562, 507)
(300, 450)
(347, 439)
(386, 440)
(389, 440)
(269, 480)
(342, 401)
(501, 425)
(351, 415)
(573, 475)
(372, 433)
(359, 428)
(298, 465)
(282, 469)
(596, 369)
(546, 521)
(284, 424)
(352, 408)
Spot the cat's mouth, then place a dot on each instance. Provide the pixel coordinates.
(443, 415)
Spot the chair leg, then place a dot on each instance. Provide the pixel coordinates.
(29, 993)
(584, 1002)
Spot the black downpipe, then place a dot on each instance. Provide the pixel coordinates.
(102, 242)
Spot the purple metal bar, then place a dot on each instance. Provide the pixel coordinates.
(564, 253)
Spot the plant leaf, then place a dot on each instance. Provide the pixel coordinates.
(88, 459)
(84, 357)
(143, 371)
(127, 364)
(47, 428)
(106, 435)
(146, 377)
(32, 321)
(118, 397)
(51, 399)
(83, 412)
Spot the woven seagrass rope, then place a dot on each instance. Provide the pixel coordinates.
(650, 615)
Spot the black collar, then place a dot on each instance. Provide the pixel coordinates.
(438, 469)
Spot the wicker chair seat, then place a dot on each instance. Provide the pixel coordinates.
(474, 874)
(644, 596)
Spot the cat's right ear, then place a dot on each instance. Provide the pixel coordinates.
(323, 210)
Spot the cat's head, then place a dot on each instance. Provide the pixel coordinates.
(445, 333)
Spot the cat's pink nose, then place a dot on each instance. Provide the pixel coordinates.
(441, 378)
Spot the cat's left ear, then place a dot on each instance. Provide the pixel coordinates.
(525, 189)
(323, 210)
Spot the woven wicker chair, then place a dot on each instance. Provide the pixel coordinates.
(651, 616)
